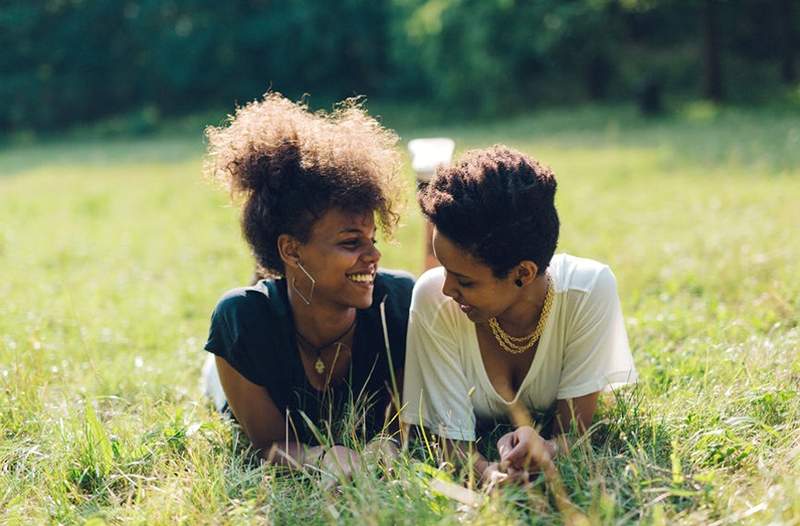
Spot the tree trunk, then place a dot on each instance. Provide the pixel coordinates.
(712, 55)
(788, 69)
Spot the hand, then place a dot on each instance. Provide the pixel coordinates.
(382, 451)
(340, 463)
(523, 450)
(492, 476)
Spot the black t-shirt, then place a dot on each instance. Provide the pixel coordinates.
(253, 329)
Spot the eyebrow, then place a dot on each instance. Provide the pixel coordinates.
(459, 275)
(352, 231)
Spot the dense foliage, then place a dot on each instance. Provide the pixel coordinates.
(76, 60)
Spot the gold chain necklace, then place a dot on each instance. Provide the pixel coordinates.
(518, 345)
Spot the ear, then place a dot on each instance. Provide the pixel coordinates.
(289, 250)
(525, 272)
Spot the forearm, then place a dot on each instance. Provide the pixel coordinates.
(558, 446)
(464, 454)
(552, 446)
(292, 454)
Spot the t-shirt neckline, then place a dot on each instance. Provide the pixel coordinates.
(298, 370)
(536, 364)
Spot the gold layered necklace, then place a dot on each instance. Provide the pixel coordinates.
(522, 344)
(319, 365)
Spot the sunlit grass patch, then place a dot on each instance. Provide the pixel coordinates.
(112, 255)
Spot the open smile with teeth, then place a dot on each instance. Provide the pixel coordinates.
(361, 278)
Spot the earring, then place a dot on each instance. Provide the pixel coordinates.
(518, 282)
(307, 301)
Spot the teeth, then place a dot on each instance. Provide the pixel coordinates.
(360, 278)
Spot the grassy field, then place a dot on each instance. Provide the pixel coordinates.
(113, 253)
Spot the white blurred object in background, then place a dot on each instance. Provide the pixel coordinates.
(209, 382)
(426, 156)
(429, 154)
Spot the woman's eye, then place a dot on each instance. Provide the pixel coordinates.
(465, 284)
(351, 243)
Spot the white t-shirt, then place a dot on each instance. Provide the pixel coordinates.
(583, 349)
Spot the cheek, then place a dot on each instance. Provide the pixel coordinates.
(335, 263)
(344, 258)
(480, 297)
(488, 299)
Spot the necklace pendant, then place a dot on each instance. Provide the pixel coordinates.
(319, 365)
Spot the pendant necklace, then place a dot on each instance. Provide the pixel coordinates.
(319, 365)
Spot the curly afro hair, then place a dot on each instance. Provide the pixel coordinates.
(290, 166)
(498, 204)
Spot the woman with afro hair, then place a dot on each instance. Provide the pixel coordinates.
(505, 328)
(316, 348)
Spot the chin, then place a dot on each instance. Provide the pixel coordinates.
(363, 303)
(359, 301)
(478, 317)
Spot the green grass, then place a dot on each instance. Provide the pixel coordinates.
(113, 252)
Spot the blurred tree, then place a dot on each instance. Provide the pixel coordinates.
(74, 60)
(494, 55)
(711, 51)
(788, 19)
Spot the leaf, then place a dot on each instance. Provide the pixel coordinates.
(98, 440)
(677, 472)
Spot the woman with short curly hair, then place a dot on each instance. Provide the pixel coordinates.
(327, 326)
(505, 327)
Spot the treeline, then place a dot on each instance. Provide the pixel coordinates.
(65, 61)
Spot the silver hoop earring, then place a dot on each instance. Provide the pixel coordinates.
(307, 301)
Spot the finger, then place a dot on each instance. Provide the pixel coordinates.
(519, 456)
(497, 478)
(506, 439)
(328, 481)
(503, 450)
(518, 476)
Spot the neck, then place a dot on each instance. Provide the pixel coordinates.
(522, 316)
(321, 321)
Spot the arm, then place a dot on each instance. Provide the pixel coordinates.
(464, 454)
(579, 411)
(261, 420)
(525, 449)
(264, 425)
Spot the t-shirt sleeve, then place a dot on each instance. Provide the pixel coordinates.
(225, 335)
(597, 356)
(436, 394)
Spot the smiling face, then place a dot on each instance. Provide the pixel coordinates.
(471, 283)
(341, 256)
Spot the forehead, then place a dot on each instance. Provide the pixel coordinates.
(456, 259)
(336, 221)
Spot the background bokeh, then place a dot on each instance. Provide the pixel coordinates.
(67, 61)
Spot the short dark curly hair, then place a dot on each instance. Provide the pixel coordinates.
(498, 204)
(290, 166)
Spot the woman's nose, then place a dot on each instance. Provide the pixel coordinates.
(372, 255)
(448, 287)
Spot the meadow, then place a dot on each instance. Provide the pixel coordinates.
(113, 251)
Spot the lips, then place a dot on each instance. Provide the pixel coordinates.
(466, 309)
